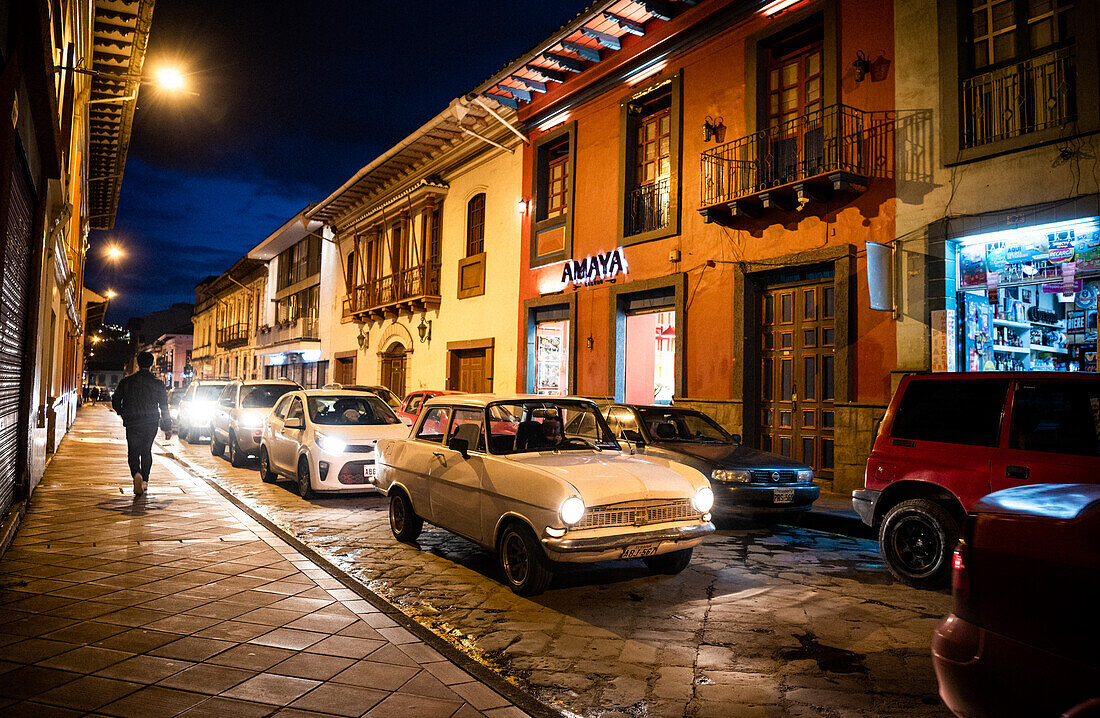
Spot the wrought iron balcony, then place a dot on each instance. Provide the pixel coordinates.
(235, 335)
(296, 330)
(808, 159)
(411, 290)
(1018, 99)
(647, 208)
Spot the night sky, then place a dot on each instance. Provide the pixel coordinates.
(293, 99)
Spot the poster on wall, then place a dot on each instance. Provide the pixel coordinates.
(1028, 252)
(943, 340)
(551, 353)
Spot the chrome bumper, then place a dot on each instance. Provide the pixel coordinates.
(610, 543)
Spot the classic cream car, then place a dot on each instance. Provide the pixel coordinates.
(543, 482)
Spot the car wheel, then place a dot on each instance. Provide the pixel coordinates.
(187, 435)
(917, 538)
(404, 523)
(266, 474)
(236, 456)
(670, 563)
(217, 448)
(305, 488)
(525, 566)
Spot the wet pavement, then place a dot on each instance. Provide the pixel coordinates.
(766, 621)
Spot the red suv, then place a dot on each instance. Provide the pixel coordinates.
(949, 439)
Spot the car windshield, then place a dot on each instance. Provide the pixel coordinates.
(683, 426)
(350, 410)
(208, 392)
(263, 396)
(388, 396)
(547, 425)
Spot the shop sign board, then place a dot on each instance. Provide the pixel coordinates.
(1060, 288)
(1020, 253)
(594, 268)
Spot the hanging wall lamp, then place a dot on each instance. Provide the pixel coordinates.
(862, 66)
(425, 329)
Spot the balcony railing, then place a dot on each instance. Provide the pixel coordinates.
(301, 329)
(1030, 96)
(233, 336)
(647, 208)
(815, 154)
(413, 289)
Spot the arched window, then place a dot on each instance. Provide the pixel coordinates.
(475, 225)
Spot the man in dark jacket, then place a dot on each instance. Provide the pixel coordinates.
(142, 401)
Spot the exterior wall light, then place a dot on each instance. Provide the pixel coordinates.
(862, 66)
(521, 206)
(713, 129)
(424, 329)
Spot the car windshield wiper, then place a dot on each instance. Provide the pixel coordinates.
(586, 442)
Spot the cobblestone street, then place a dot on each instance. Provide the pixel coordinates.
(779, 621)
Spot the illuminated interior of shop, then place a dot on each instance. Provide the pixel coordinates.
(650, 357)
(552, 358)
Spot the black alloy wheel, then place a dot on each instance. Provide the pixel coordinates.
(670, 563)
(404, 523)
(305, 488)
(525, 566)
(266, 474)
(916, 539)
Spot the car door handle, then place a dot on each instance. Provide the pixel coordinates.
(440, 455)
(1017, 472)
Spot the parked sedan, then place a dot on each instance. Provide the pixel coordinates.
(240, 416)
(414, 401)
(324, 439)
(1022, 638)
(745, 480)
(197, 409)
(543, 483)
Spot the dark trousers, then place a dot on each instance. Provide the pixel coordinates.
(139, 448)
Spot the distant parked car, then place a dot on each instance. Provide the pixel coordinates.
(324, 439)
(197, 409)
(239, 418)
(949, 439)
(745, 480)
(543, 483)
(411, 405)
(175, 396)
(1022, 638)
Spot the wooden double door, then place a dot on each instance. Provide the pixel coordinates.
(471, 371)
(797, 338)
(393, 367)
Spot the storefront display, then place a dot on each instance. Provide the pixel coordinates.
(1020, 292)
(650, 358)
(552, 358)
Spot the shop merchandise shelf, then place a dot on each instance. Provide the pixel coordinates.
(1041, 348)
(1059, 325)
(1011, 350)
(1017, 325)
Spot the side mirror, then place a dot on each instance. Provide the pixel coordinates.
(462, 446)
(633, 436)
(293, 423)
(736, 438)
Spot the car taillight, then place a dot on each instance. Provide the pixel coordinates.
(960, 579)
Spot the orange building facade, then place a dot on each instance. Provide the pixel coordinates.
(700, 185)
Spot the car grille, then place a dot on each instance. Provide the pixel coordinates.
(786, 476)
(358, 448)
(351, 474)
(637, 513)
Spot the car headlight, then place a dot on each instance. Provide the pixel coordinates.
(331, 444)
(571, 511)
(200, 412)
(252, 420)
(703, 500)
(805, 475)
(730, 476)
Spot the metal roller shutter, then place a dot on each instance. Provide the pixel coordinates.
(15, 270)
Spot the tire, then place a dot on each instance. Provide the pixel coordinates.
(236, 458)
(217, 448)
(526, 568)
(917, 538)
(266, 474)
(404, 523)
(670, 563)
(305, 488)
(188, 435)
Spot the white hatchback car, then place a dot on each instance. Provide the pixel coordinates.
(324, 439)
(543, 482)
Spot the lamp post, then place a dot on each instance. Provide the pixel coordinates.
(168, 78)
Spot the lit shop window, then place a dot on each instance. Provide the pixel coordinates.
(650, 358)
(552, 358)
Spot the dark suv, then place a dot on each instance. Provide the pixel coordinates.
(949, 439)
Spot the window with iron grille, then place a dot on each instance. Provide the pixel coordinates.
(475, 225)
(649, 124)
(1018, 71)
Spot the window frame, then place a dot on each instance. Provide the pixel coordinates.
(539, 183)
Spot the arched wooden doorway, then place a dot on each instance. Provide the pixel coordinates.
(393, 368)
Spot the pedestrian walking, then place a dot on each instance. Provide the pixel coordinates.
(142, 402)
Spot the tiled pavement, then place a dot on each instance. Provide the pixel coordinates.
(176, 603)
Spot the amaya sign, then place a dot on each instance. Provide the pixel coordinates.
(594, 269)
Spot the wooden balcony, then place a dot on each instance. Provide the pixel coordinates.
(233, 336)
(297, 330)
(814, 158)
(415, 289)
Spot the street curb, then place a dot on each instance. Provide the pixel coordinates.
(833, 523)
(518, 697)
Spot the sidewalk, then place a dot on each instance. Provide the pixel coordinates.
(176, 603)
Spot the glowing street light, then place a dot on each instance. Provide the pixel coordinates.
(110, 294)
(170, 78)
(114, 252)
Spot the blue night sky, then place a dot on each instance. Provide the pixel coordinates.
(293, 99)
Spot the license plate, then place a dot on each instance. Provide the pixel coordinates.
(641, 550)
(368, 471)
(783, 496)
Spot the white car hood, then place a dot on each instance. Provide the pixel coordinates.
(364, 434)
(611, 477)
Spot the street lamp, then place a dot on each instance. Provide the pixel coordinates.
(113, 252)
(110, 294)
(168, 78)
